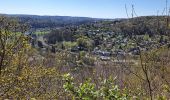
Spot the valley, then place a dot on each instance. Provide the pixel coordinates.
(63, 57)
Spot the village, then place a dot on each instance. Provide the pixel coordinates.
(102, 44)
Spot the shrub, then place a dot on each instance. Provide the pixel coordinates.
(89, 90)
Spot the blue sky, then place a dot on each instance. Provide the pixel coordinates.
(86, 8)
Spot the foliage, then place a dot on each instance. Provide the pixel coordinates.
(70, 45)
(89, 91)
(28, 74)
(59, 35)
(84, 42)
(51, 21)
(19, 79)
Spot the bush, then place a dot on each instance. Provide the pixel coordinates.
(89, 91)
(89, 61)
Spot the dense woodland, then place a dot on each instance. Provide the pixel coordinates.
(123, 59)
(36, 21)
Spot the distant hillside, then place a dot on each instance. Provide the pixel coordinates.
(137, 26)
(145, 25)
(51, 21)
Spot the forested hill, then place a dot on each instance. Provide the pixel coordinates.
(51, 21)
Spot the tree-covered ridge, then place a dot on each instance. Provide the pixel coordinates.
(36, 21)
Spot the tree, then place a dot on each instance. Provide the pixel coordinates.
(12, 40)
(84, 43)
(19, 79)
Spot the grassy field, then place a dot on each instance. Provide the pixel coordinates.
(39, 32)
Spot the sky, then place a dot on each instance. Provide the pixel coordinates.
(83, 8)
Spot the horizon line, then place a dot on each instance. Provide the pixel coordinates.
(74, 16)
(60, 15)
